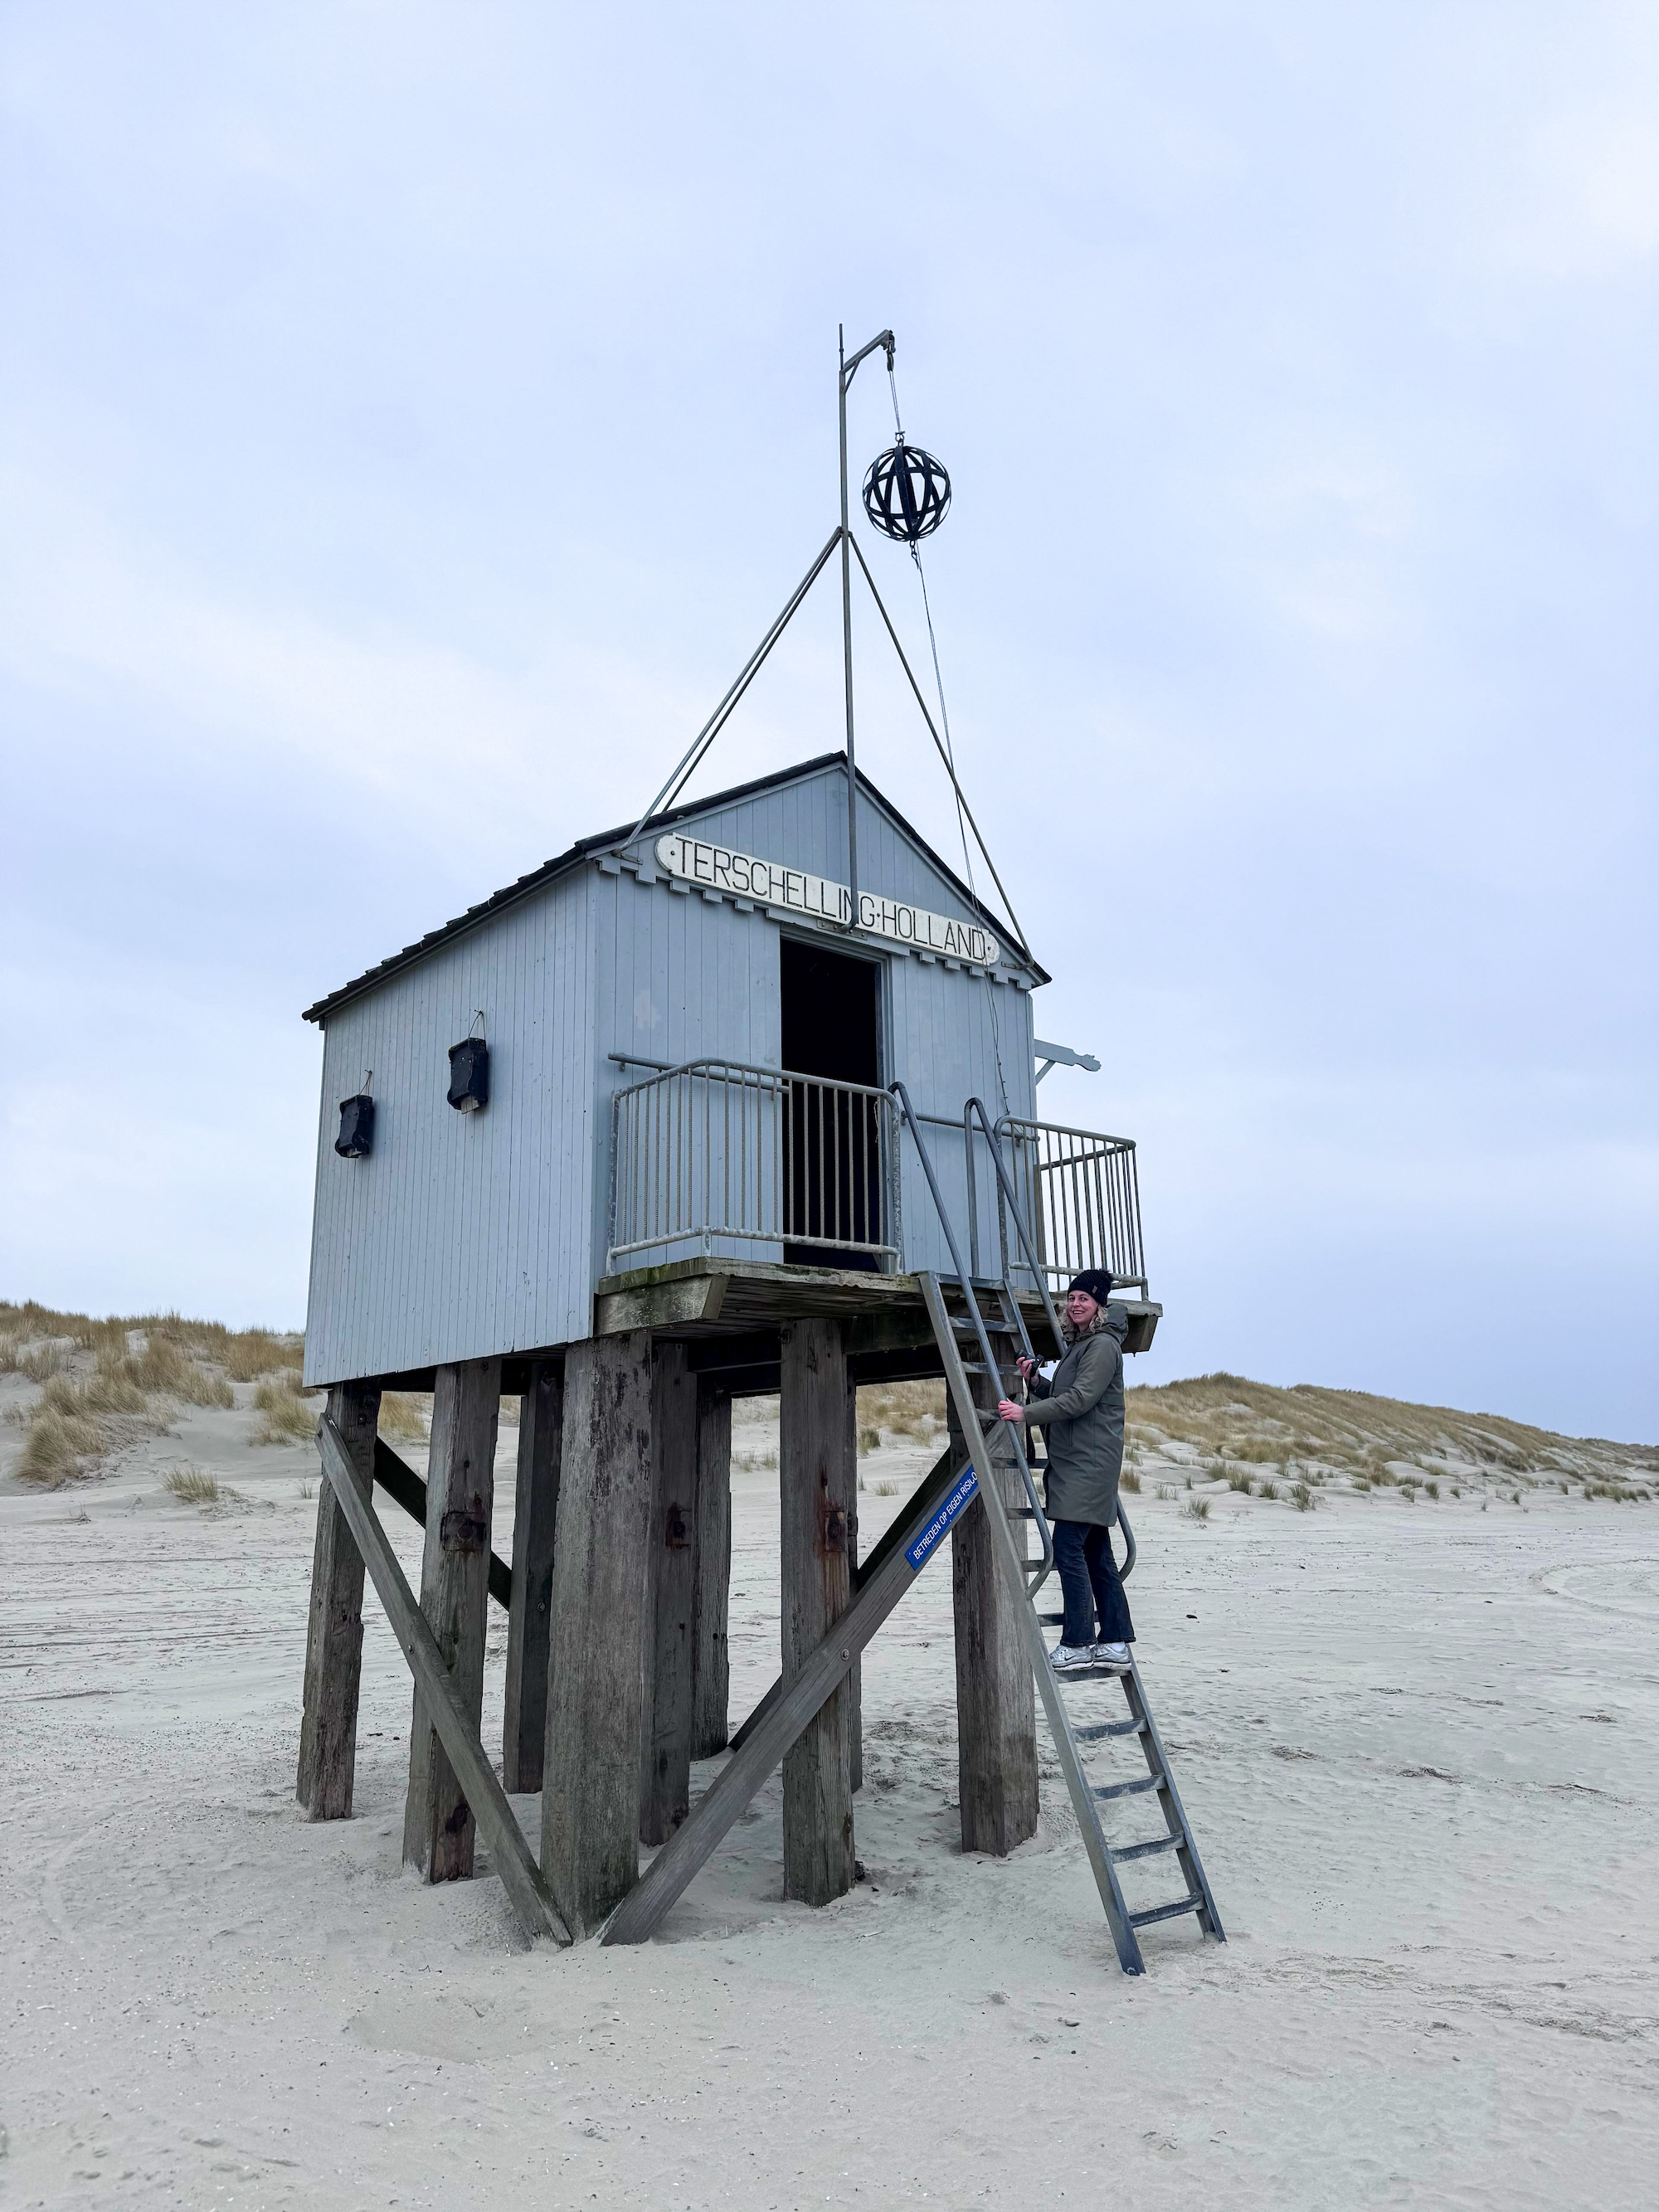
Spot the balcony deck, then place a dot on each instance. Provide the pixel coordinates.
(730, 1311)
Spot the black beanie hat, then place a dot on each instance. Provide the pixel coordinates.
(1094, 1282)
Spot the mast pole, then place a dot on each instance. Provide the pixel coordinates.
(847, 644)
(847, 370)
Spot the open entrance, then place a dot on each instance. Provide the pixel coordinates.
(831, 1031)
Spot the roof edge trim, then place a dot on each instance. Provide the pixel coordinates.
(618, 840)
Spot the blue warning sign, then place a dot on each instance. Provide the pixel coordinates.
(954, 1506)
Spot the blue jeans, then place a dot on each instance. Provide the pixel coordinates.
(1090, 1582)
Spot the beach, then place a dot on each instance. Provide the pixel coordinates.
(1415, 1743)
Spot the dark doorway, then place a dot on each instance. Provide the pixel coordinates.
(831, 1030)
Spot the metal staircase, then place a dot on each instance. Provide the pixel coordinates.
(1000, 1447)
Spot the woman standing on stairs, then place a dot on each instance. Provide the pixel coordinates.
(1082, 1409)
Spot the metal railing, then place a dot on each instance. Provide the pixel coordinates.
(1079, 1193)
(717, 1151)
(950, 1353)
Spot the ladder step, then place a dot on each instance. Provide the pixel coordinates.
(1193, 1903)
(1137, 1788)
(1146, 1851)
(1096, 1730)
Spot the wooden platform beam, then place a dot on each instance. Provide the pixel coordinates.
(818, 1497)
(996, 1698)
(704, 1297)
(334, 1632)
(529, 1613)
(711, 1672)
(439, 1825)
(591, 1770)
(670, 1598)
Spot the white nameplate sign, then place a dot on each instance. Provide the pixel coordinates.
(742, 876)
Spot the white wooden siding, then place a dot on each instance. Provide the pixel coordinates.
(462, 1235)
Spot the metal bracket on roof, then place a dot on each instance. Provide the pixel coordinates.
(1061, 1056)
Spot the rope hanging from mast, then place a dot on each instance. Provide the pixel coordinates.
(923, 495)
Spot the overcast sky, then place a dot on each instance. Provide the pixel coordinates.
(412, 414)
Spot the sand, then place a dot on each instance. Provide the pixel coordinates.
(1417, 1743)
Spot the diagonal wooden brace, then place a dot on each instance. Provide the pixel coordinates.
(520, 1876)
(930, 1489)
(788, 1709)
(404, 1488)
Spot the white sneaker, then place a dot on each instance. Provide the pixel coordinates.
(1069, 1658)
(1115, 1656)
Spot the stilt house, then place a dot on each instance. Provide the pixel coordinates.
(663, 1123)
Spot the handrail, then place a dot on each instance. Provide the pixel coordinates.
(1040, 1519)
(1005, 1182)
(1102, 1137)
(977, 1106)
(771, 1078)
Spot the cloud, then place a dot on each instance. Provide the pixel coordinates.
(1595, 191)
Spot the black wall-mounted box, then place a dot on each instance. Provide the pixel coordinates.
(469, 1075)
(356, 1138)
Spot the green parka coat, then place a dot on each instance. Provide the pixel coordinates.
(1081, 1411)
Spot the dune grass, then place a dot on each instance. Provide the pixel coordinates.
(60, 1447)
(900, 1409)
(406, 1416)
(194, 1485)
(77, 1418)
(243, 1353)
(284, 1416)
(103, 1382)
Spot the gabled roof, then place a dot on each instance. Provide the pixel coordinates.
(587, 849)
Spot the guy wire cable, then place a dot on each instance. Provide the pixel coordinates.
(945, 724)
